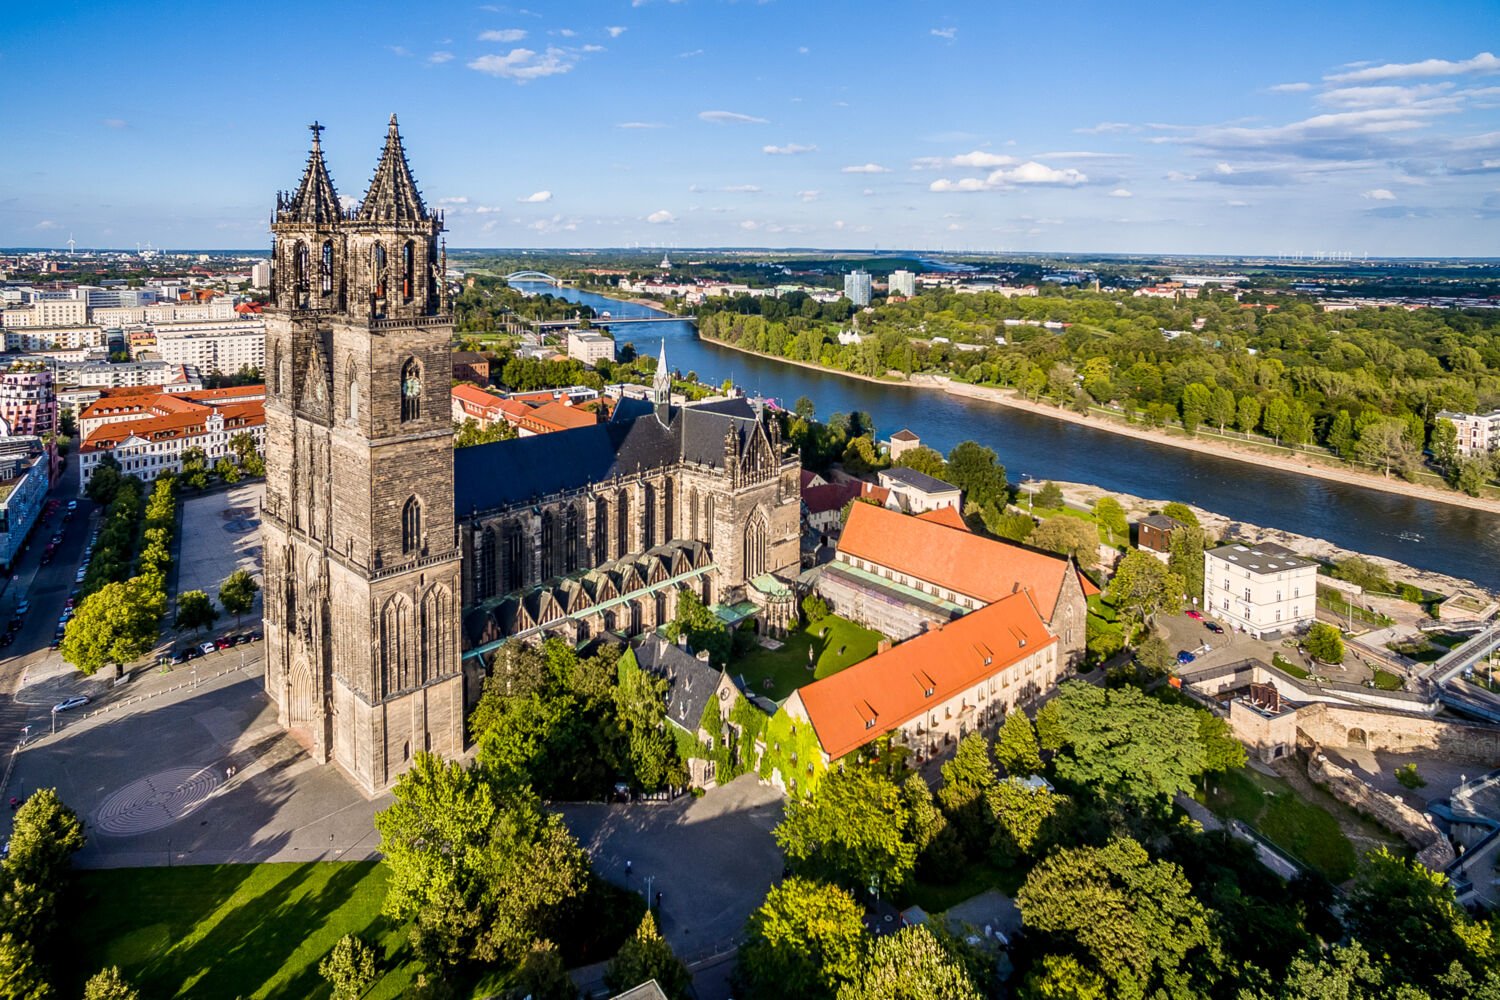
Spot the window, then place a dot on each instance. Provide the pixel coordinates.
(1247, 593)
(411, 390)
(327, 268)
(411, 526)
(408, 269)
(377, 271)
(299, 270)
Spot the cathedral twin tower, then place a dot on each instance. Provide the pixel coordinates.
(362, 566)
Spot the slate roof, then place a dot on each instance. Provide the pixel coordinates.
(1162, 522)
(690, 682)
(917, 480)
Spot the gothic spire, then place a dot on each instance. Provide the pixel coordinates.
(393, 195)
(316, 201)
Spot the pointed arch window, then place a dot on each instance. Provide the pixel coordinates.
(411, 526)
(377, 271)
(411, 390)
(327, 266)
(299, 267)
(408, 269)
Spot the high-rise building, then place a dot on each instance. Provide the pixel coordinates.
(260, 275)
(28, 404)
(902, 283)
(361, 560)
(857, 287)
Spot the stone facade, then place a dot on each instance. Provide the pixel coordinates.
(362, 568)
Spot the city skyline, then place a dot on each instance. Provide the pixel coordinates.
(756, 125)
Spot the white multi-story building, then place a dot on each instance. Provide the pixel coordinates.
(917, 492)
(902, 283)
(117, 298)
(53, 338)
(154, 442)
(168, 312)
(590, 347)
(260, 275)
(24, 471)
(224, 347)
(1478, 433)
(857, 287)
(46, 312)
(1263, 589)
(102, 374)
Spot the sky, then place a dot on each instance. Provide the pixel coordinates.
(1368, 128)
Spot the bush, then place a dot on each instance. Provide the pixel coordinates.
(1407, 775)
(814, 608)
(349, 967)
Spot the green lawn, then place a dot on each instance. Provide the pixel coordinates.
(835, 644)
(1287, 666)
(234, 930)
(935, 897)
(1387, 681)
(1307, 832)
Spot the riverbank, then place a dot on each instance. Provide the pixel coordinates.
(1218, 448)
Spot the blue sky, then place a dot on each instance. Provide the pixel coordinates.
(1369, 127)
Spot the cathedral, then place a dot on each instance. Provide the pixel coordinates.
(395, 565)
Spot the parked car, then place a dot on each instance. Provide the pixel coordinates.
(207, 647)
(1214, 627)
(77, 701)
(174, 657)
(82, 572)
(1184, 657)
(223, 642)
(241, 639)
(22, 608)
(255, 637)
(1195, 615)
(72, 504)
(191, 653)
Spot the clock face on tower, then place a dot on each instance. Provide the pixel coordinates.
(412, 387)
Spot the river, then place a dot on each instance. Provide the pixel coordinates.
(1457, 541)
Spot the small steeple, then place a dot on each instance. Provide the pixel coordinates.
(393, 195)
(661, 383)
(316, 201)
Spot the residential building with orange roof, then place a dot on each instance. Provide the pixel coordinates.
(931, 691)
(147, 434)
(901, 575)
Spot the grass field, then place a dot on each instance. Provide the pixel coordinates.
(1387, 681)
(230, 931)
(1308, 833)
(835, 644)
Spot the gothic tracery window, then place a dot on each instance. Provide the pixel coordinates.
(299, 271)
(408, 269)
(327, 266)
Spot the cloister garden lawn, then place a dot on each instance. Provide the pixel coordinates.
(227, 931)
(835, 643)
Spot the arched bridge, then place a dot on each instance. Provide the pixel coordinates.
(533, 276)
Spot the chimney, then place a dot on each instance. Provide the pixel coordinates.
(703, 656)
(883, 646)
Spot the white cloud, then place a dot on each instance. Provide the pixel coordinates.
(980, 158)
(1483, 63)
(1178, 176)
(743, 189)
(399, 50)
(640, 125)
(803, 50)
(660, 216)
(750, 224)
(1223, 168)
(1032, 172)
(947, 33)
(790, 149)
(691, 53)
(456, 200)
(503, 35)
(1106, 128)
(567, 32)
(523, 65)
(114, 123)
(1289, 88)
(46, 224)
(867, 168)
(962, 185)
(808, 195)
(615, 31)
(593, 48)
(1379, 194)
(1121, 193)
(536, 197)
(438, 58)
(1386, 96)
(729, 118)
(1237, 204)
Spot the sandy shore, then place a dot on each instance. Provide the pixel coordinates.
(1216, 447)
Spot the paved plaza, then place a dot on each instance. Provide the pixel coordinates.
(220, 534)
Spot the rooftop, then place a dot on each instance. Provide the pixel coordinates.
(916, 480)
(1265, 557)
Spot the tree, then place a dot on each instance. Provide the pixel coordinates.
(805, 940)
(237, 593)
(1444, 442)
(1142, 588)
(1021, 814)
(1325, 642)
(1181, 513)
(860, 457)
(476, 869)
(195, 611)
(1408, 776)
(924, 459)
(1221, 408)
(704, 631)
(1277, 419)
(1113, 740)
(1154, 656)
(1341, 435)
(1017, 525)
(1196, 400)
(852, 831)
(647, 956)
(1132, 921)
(115, 624)
(1401, 909)
(1247, 416)
(1185, 559)
(804, 408)
(195, 468)
(21, 976)
(911, 964)
(1049, 496)
(961, 794)
(1364, 573)
(349, 967)
(543, 975)
(104, 482)
(1069, 536)
(1471, 476)
(109, 984)
(1111, 515)
(227, 471)
(1016, 747)
(814, 608)
(974, 469)
(1221, 750)
(1385, 444)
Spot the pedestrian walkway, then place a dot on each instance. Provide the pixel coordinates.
(1268, 855)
